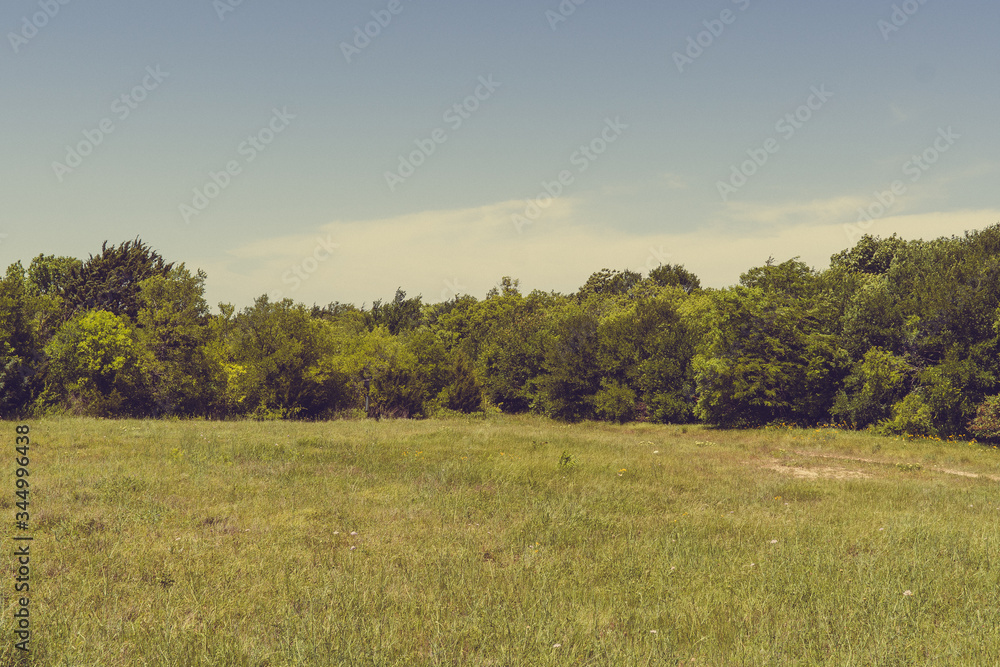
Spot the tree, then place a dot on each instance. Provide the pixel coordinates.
(20, 363)
(506, 339)
(874, 385)
(464, 392)
(280, 362)
(645, 356)
(571, 375)
(674, 275)
(95, 368)
(172, 330)
(766, 356)
(870, 255)
(112, 280)
(50, 274)
(609, 283)
(399, 315)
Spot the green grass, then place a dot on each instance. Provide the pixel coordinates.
(504, 541)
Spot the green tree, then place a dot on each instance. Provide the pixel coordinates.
(279, 361)
(674, 275)
(645, 356)
(571, 376)
(609, 283)
(20, 361)
(767, 356)
(506, 333)
(172, 329)
(111, 281)
(95, 369)
(873, 387)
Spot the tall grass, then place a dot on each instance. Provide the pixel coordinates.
(504, 541)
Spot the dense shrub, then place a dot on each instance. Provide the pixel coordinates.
(986, 425)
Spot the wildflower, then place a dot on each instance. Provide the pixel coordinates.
(556, 645)
(652, 632)
(774, 541)
(907, 592)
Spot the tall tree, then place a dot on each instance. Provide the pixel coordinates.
(112, 280)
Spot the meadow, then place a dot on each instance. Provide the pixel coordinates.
(503, 540)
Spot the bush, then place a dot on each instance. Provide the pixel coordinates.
(615, 402)
(910, 416)
(986, 425)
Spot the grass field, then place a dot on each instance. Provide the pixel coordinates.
(503, 541)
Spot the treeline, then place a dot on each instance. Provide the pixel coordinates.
(901, 336)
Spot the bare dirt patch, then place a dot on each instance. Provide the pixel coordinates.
(856, 474)
(824, 472)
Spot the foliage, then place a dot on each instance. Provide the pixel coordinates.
(910, 416)
(19, 355)
(95, 367)
(112, 280)
(766, 356)
(609, 283)
(281, 362)
(615, 402)
(903, 336)
(986, 425)
(873, 387)
(674, 275)
(572, 375)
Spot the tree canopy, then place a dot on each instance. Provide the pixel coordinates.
(897, 336)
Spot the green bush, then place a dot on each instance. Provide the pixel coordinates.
(615, 402)
(910, 416)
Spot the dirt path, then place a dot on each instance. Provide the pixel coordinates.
(843, 473)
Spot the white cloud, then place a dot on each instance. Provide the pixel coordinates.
(432, 252)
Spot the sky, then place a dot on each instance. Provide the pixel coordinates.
(336, 151)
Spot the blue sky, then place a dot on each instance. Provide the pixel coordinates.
(248, 140)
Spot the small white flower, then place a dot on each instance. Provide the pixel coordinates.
(556, 645)
(774, 541)
(354, 532)
(652, 632)
(907, 592)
